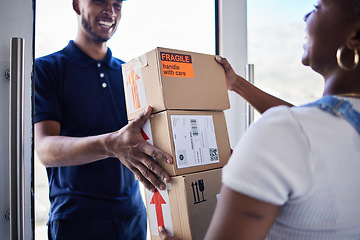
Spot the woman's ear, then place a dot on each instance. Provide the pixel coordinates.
(76, 6)
(354, 42)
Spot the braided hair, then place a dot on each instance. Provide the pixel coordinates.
(355, 8)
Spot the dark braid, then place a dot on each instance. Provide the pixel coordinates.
(354, 7)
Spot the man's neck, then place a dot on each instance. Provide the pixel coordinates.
(95, 50)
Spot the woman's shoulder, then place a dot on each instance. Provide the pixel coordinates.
(293, 114)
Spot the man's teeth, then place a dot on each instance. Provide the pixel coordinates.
(107, 24)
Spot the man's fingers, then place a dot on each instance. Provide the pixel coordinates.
(149, 172)
(139, 176)
(151, 164)
(140, 157)
(155, 152)
(143, 117)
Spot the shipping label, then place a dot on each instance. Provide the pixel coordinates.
(194, 140)
(176, 65)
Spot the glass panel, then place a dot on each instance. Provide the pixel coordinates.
(186, 25)
(276, 33)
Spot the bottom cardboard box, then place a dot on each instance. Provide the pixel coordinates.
(186, 207)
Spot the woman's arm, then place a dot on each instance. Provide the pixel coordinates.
(238, 216)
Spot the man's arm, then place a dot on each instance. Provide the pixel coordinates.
(127, 145)
(257, 98)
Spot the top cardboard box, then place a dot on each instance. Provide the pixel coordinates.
(169, 79)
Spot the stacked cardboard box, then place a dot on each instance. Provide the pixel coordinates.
(188, 94)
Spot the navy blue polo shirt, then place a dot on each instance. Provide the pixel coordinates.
(87, 98)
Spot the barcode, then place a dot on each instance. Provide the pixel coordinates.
(194, 127)
(214, 155)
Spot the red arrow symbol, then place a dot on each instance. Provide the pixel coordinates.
(157, 199)
(144, 135)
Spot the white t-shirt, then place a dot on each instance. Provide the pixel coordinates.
(308, 162)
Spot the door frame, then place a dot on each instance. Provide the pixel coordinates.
(19, 27)
(233, 45)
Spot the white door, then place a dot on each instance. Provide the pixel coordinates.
(17, 19)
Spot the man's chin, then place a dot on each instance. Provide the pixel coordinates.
(100, 39)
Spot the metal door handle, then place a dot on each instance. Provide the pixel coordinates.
(16, 138)
(249, 109)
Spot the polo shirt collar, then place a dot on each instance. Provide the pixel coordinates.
(84, 60)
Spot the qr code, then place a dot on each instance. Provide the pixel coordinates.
(214, 155)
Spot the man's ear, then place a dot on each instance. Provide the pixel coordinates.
(76, 6)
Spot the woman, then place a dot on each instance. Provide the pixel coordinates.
(295, 173)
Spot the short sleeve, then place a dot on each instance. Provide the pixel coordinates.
(271, 162)
(47, 91)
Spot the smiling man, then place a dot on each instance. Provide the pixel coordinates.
(92, 156)
(97, 22)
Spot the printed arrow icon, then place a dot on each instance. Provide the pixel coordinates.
(134, 89)
(157, 199)
(144, 135)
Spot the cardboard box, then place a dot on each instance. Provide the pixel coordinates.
(197, 140)
(173, 79)
(186, 208)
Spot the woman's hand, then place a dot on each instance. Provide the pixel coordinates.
(164, 235)
(257, 98)
(231, 77)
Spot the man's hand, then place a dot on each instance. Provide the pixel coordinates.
(129, 146)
